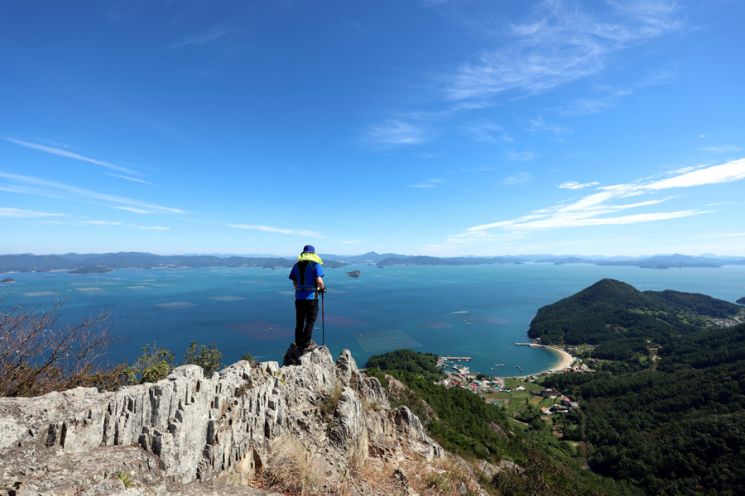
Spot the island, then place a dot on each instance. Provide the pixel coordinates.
(8, 280)
(91, 270)
(652, 262)
(27, 262)
(354, 273)
(741, 301)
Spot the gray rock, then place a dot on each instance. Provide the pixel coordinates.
(189, 428)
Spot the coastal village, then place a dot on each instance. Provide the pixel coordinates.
(513, 392)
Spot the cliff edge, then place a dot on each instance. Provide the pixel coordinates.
(320, 427)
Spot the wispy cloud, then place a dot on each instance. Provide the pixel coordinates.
(591, 105)
(28, 185)
(487, 132)
(606, 97)
(135, 210)
(606, 206)
(116, 223)
(539, 124)
(720, 149)
(517, 179)
(475, 170)
(202, 38)
(132, 179)
(562, 44)
(725, 235)
(428, 184)
(523, 156)
(148, 228)
(74, 156)
(716, 174)
(25, 214)
(397, 132)
(102, 223)
(349, 241)
(578, 185)
(279, 230)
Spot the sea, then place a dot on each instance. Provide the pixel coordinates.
(479, 311)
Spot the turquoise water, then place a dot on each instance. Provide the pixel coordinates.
(479, 311)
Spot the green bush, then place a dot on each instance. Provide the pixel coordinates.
(249, 358)
(207, 357)
(153, 365)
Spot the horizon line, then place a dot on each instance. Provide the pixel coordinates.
(265, 255)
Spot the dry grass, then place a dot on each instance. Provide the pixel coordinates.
(292, 469)
(443, 477)
(330, 401)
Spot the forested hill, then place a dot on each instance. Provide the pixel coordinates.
(620, 318)
(665, 408)
(679, 429)
(467, 425)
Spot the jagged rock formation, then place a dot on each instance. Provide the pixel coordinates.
(190, 434)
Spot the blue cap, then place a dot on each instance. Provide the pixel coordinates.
(309, 249)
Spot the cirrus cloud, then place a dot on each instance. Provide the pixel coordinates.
(608, 204)
(561, 45)
(25, 214)
(278, 230)
(29, 185)
(577, 185)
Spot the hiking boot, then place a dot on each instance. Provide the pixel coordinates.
(310, 346)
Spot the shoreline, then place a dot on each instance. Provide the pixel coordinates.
(565, 359)
(564, 362)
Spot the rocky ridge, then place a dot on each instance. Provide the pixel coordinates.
(314, 427)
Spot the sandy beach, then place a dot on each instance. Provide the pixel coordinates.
(565, 360)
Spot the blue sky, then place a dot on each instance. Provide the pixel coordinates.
(425, 127)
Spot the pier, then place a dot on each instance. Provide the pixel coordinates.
(443, 360)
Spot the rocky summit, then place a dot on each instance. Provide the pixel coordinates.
(318, 427)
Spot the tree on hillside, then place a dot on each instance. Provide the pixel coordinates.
(39, 354)
(207, 357)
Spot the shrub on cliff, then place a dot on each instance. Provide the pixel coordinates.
(153, 365)
(39, 355)
(207, 357)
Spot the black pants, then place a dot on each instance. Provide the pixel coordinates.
(306, 312)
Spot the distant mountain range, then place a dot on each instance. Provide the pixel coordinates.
(102, 262)
(652, 262)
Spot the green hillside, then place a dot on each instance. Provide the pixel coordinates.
(465, 424)
(674, 424)
(679, 429)
(625, 321)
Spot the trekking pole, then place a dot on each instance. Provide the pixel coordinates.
(323, 316)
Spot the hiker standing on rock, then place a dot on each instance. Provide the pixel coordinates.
(307, 277)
